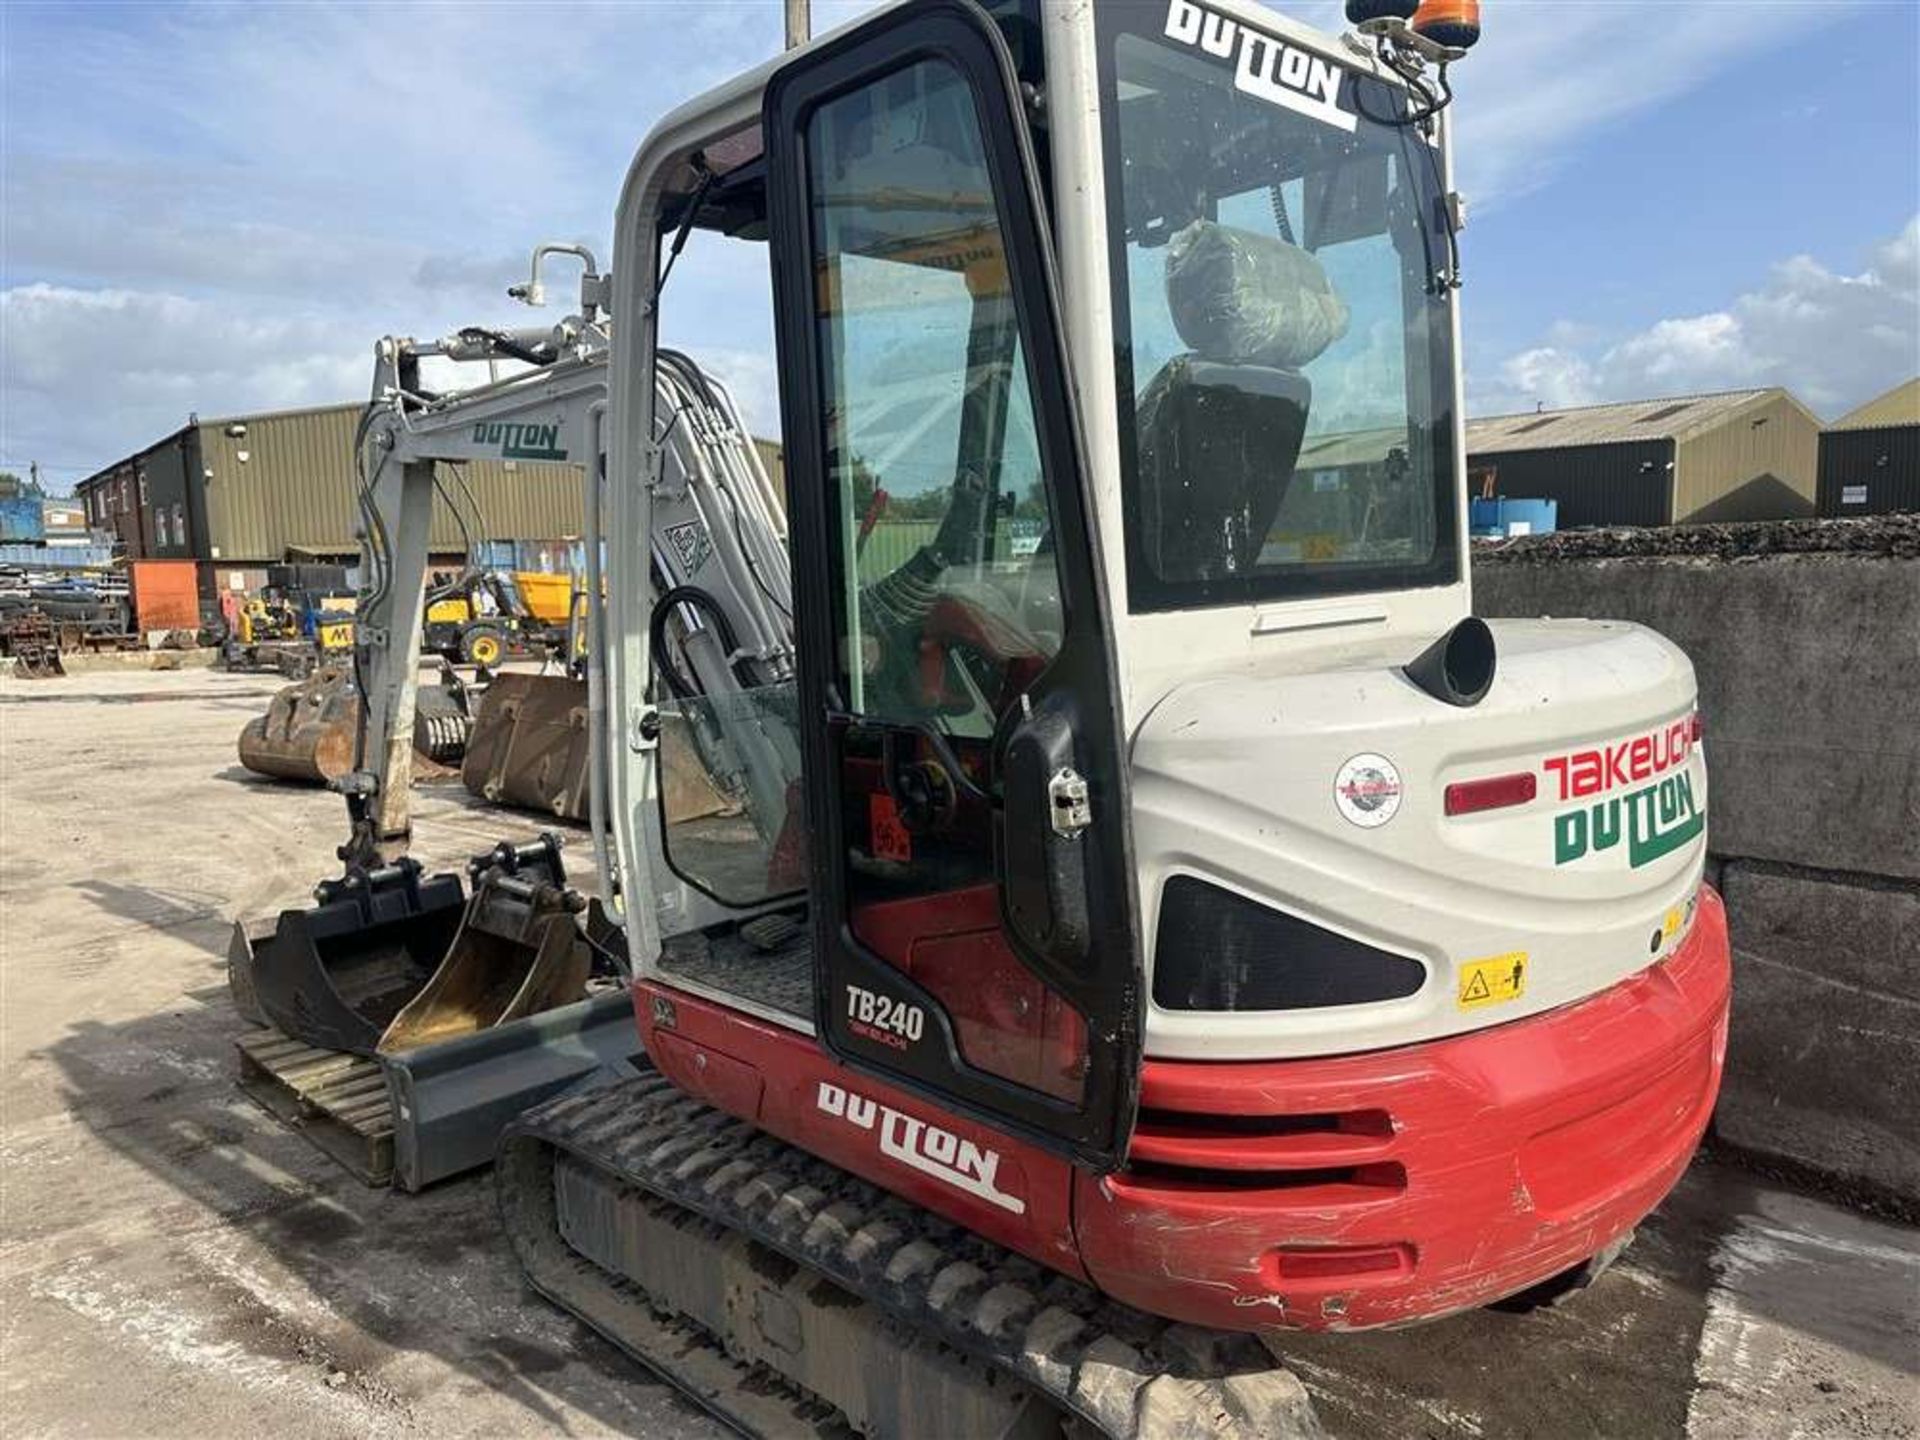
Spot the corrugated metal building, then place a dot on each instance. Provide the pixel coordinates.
(1686, 459)
(774, 459)
(246, 491)
(1870, 458)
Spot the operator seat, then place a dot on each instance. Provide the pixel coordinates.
(1220, 428)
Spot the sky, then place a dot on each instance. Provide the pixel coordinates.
(215, 209)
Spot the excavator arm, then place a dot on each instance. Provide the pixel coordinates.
(475, 1001)
(410, 446)
(718, 583)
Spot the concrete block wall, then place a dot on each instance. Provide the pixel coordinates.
(1806, 640)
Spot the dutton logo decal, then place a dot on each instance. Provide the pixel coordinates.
(1266, 69)
(520, 442)
(926, 1148)
(1655, 815)
(1368, 791)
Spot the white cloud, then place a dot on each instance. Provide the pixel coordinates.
(1548, 376)
(1550, 76)
(1834, 339)
(251, 197)
(85, 368)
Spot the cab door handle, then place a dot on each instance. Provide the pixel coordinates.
(1044, 841)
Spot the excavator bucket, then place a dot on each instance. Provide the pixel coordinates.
(308, 730)
(336, 976)
(529, 745)
(410, 1023)
(528, 748)
(519, 952)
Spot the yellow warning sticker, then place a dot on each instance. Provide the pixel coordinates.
(1493, 981)
(1670, 926)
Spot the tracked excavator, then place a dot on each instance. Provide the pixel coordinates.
(1149, 916)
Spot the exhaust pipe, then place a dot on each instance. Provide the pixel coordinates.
(1458, 667)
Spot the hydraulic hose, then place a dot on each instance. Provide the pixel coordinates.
(702, 601)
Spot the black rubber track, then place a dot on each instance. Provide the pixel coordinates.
(1125, 1374)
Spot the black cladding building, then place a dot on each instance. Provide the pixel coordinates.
(1685, 459)
(1870, 458)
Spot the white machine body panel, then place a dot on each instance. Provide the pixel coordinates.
(1272, 785)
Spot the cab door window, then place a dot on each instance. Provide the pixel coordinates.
(947, 590)
(947, 597)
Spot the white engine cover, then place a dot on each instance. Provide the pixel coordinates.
(1234, 781)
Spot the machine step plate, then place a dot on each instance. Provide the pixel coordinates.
(338, 1101)
(654, 1217)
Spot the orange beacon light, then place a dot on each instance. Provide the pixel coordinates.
(1453, 23)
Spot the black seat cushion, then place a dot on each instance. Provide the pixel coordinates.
(1218, 444)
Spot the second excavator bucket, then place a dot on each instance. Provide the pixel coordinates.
(529, 745)
(337, 975)
(308, 730)
(519, 952)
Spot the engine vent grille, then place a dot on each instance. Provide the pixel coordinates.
(1220, 951)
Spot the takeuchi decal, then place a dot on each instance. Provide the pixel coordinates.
(1610, 767)
(1637, 792)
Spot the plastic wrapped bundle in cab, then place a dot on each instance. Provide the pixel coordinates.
(1242, 298)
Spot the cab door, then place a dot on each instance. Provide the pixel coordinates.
(973, 912)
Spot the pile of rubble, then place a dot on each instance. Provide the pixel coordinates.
(1895, 536)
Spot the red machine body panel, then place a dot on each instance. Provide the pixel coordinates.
(1346, 1193)
(1402, 1185)
(1012, 1193)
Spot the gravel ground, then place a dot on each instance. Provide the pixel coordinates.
(174, 1262)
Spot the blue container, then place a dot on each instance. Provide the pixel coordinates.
(22, 522)
(1502, 518)
(494, 555)
(56, 557)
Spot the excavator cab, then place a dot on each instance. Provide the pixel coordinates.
(973, 925)
(1154, 772)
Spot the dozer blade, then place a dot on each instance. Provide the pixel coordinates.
(529, 745)
(336, 976)
(308, 730)
(452, 1100)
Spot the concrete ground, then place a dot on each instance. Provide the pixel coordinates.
(174, 1262)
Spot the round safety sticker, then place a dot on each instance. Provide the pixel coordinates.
(1368, 791)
